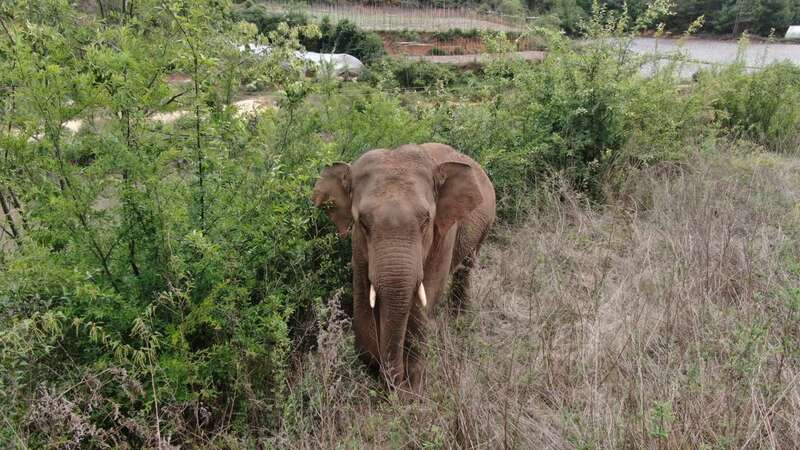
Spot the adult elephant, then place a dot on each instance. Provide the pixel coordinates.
(418, 213)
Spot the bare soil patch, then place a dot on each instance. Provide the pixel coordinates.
(480, 59)
(428, 44)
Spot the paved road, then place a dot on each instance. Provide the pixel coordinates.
(721, 52)
(704, 53)
(701, 53)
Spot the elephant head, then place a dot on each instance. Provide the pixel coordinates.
(399, 205)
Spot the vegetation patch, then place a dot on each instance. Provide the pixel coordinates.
(168, 283)
(341, 37)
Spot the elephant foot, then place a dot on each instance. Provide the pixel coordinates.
(416, 377)
(394, 376)
(408, 392)
(369, 360)
(409, 385)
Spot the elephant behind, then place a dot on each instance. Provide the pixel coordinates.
(417, 214)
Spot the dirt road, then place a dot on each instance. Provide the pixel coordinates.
(465, 60)
(245, 106)
(708, 53)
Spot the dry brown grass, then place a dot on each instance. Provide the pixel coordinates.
(668, 319)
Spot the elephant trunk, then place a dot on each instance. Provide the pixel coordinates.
(396, 278)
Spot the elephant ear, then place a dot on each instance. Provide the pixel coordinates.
(332, 194)
(458, 194)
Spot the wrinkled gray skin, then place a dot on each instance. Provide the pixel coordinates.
(418, 213)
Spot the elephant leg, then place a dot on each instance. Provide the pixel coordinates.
(459, 287)
(415, 348)
(417, 329)
(365, 321)
(365, 327)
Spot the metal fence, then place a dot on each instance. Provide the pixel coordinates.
(406, 15)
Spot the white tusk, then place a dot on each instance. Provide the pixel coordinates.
(371, 296)
(422, 297)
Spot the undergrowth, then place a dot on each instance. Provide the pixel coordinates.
(663, 319)
(160, 282)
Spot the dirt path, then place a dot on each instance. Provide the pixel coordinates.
(245, 106)
(483, 58)
(701, 53)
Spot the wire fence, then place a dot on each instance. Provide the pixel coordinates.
(406, 15)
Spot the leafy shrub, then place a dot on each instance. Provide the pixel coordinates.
(582, 112)
(412, 74)
(511, 7)
(266, 21)
(173, 255)
(456, 33)
(569, 14)
(156, 286)
(346, 37)
(343, 37)
(508, 7)
(405, 34)
(422, 74)
(763, 106)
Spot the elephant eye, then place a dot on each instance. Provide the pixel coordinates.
(425, 221)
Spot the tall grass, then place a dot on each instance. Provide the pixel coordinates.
(664, 319)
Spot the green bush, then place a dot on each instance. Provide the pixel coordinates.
(346, 37)
(158, 276)
(763, 106)
(170, 269)
(342, 37)
(422, 74)
(582, 113)
(456, 33)
(413, 74)
(405, 35)
(266, 21)
(569, 14)
(511, 7)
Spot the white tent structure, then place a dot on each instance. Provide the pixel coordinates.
(793, 32)
(337, 64)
